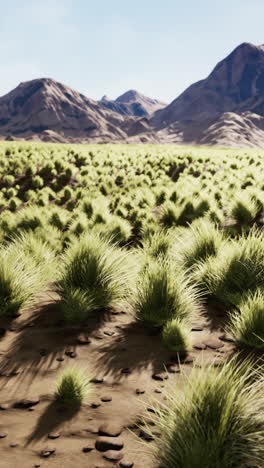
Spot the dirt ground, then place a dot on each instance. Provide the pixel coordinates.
(131, 367)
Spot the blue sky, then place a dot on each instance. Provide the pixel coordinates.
(109, 46)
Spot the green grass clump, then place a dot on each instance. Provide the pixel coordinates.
(176, 336)
(216, 422)
(199, 242)
(244, 209)
(73, 388)
(95, 275)
(236, 270)
(247, 327)
(162, 294)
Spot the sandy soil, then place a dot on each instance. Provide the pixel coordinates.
(122, 353)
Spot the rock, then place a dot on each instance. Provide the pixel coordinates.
(106, 398)
(226, 338)
(60, 359)
(160, 376)
(113, 456)
(87, 449)
(53, 435)
(26, 403)
(108, 333)
(95, 404)
(214, 343)
(126, 370)
(83, 340)
(199, 346)
(103, 444)
(126, 464)
(47, 452)
(197, 329)
(157, 390)
(70, 353)
(110, 430)
(97, 380)
(4, 407)
(140, 391)
(14, 445)
(173, 369)
(3, 435)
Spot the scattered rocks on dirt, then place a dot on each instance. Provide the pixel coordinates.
(103, 444)
(26, 403)
(110, 430)
(113, 456)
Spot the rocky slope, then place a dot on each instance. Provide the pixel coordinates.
(227, 107)
(133, 103)
(50, 111)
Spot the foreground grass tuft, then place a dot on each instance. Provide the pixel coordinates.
(176, 336)
(73, 388)
(218, 422)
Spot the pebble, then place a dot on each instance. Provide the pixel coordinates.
(3, 435)
(103, 444)
(60, 359)
(160, 376)
(83, 340)
(113, 456)
(26, 403)
(214, 344)
(106, 398)
(47, 453)
(4, 407)
(95, 405)
(126, 464)
(97, 380)
(197, 329)
(87, 449)
(54, 435)
(200, 346)
(140, 391)
(110, 430)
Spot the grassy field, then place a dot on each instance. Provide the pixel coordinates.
(170, 237)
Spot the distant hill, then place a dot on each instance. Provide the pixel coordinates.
(224, 109)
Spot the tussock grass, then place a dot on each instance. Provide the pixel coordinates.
(247, 327)
(73, 388)
(96, 273)
(244, 209)
(163, 294)
(200, 241)
(176, 336)
(216, 422)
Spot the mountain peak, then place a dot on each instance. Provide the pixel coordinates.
(128, 96)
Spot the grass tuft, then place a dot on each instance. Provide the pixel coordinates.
(73, 388)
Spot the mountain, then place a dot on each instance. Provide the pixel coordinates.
(226, 107)
(46, 110)
(133, 103)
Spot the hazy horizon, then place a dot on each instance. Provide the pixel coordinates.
(108, 48)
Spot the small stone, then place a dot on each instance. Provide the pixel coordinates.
(197, 329)
(157, 390)
(214, 344)
(13, 445)
(4, 407)
(113, 456)
(226, 338)
(87, 449)
(3, 435)
(37, 466)
(110, 430)
(53, 435)
(108, 333)
(199, 346)
(26, 403)
(106, 398)
(126, 370)
(173, 369)
(140, 391)
(160, 376)
(60, 359)
(95, 405)
(126, 464)
(83, 340)
(47, 453)
(97, 380)
(103, 444)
